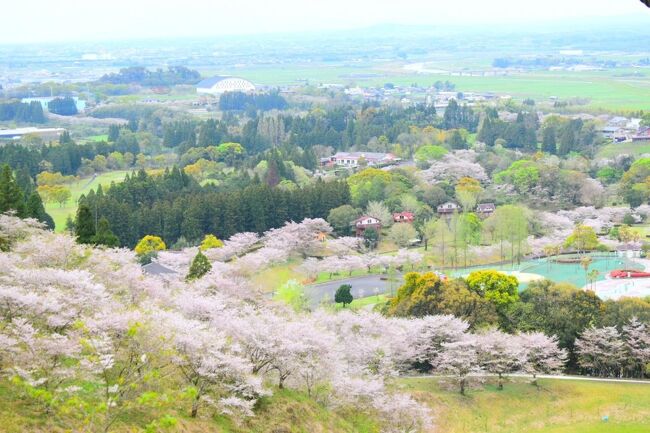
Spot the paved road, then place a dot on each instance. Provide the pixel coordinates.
(363, 286)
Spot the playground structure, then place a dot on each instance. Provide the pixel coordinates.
(628, 273)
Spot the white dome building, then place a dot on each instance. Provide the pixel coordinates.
(220, 84)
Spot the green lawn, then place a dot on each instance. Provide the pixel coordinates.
(82, 186)
(364, 303)
(614, 149)
(558, 407)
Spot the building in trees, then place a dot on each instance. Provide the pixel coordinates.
(404, 217)
(222, 84)
(484, 210)
(448, 208)
(364, 223)
(356, 159)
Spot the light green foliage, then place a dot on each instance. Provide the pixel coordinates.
(341, 217)
(380, 211)
(402, 234)
(522, 174)
(293, 294)
(430, 153)
(583, 238)
(497, 287)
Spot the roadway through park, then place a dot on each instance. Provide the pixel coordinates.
(528, 271)
(362, 287)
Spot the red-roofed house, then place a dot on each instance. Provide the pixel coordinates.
(403, 217)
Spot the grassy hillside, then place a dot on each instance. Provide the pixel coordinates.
(560, 406)
(82, 186)
(285, 412)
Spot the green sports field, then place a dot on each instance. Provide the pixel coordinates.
(82, 186)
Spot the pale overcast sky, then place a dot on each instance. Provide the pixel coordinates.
(54, 20)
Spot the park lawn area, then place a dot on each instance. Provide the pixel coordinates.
(363, 303)
(614, 149)
(560, 406)
(270, 279)
(82, 186)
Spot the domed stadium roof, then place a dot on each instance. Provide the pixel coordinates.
(221, 84)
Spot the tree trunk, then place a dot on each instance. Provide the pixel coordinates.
(462, 386)
(500, 383)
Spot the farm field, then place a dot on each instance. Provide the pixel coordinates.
(560, 406)
(82, 186)
(605, 89)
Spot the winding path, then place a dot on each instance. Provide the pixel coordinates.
(366, 285)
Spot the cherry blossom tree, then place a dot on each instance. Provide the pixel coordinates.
(500, 354)
(601, 351)
(543, 354)
(459, 358)
(637, 345)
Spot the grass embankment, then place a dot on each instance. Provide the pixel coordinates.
(286, 411)
(559, 406)
(82, 186)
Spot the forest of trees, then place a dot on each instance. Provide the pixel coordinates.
(63, 106)
(174, 205)
(258, 101)
(22, 112)
(159, 77)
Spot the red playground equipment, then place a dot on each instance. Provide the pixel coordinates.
(629, 273)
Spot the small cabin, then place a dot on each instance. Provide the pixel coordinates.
(448, 208)
(404, 217)
(484, 210)
(364, 223)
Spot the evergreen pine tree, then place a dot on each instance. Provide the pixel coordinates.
(343, 295)
(104, 235)
(34, 209)
(84, 225)
(549, 144)
(199, 267)
(11, 196)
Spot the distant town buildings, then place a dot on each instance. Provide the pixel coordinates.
(222, 84)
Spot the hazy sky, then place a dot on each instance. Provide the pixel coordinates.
(55, 20)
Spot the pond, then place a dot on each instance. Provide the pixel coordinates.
(572, 273)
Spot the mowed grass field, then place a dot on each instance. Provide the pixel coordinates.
(82, 186)
(613, 89)
(559, 406)
(636, 149)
